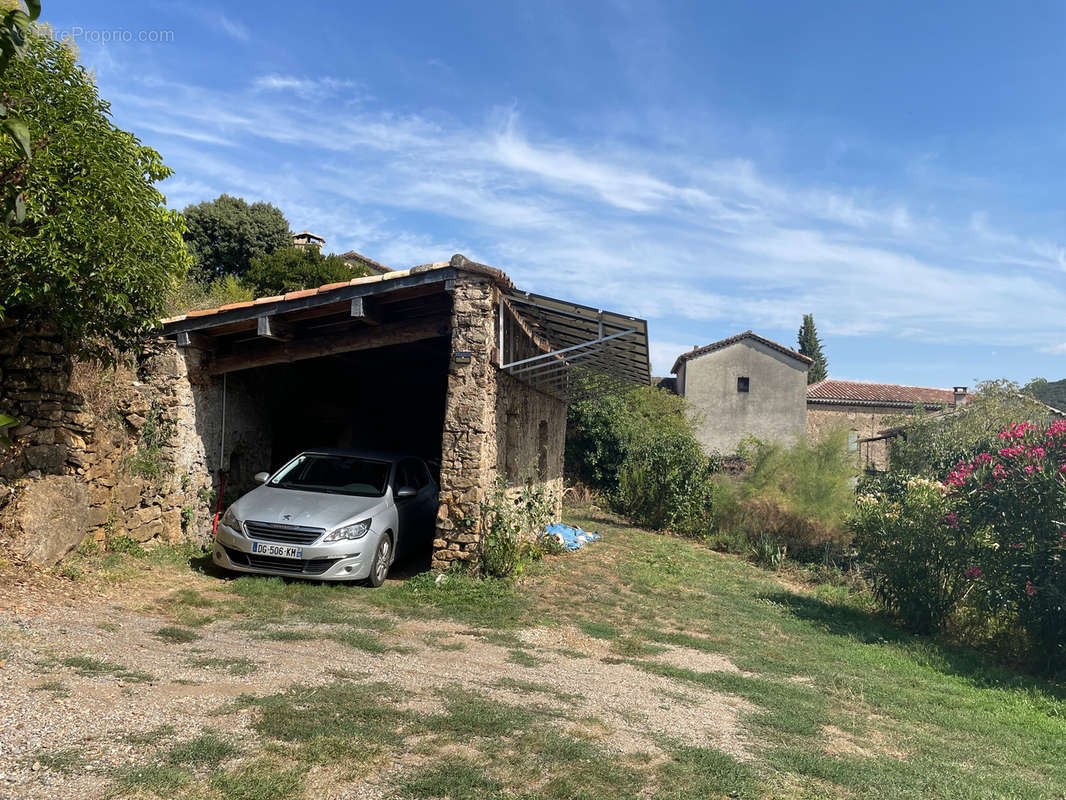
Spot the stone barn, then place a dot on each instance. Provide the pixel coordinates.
(448, 361)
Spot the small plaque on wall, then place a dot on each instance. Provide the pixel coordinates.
(462, 357)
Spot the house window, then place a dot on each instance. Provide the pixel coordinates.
(742, 384)
(853, 441)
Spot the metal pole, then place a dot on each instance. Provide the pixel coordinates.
(222, 432)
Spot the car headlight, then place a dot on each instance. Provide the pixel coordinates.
(355, 531)
(229, 519)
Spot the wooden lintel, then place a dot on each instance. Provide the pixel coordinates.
(363, 310)
(270, 327)
(197, 340)
(319, 346)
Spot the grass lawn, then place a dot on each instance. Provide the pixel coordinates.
(837, 702)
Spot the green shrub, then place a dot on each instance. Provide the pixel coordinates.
(665, 483)
(192, 295)
(147, 460)
(514, 524)
(797, 498)
(637, 445)
(290, 268)
(607, 419)
(914, 554)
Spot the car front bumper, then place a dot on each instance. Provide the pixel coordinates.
(348, 560)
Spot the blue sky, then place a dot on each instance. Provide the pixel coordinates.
(893, 168)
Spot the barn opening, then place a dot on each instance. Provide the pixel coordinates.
(387, 399)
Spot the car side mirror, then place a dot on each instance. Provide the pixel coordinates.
(405, 491)
(262, 477)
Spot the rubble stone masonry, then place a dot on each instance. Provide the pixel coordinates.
(78, 470)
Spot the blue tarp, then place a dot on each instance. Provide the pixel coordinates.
(571, 538)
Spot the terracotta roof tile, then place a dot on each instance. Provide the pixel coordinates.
(243, 304)
(721, 343)
(836, 391)
(301, 293)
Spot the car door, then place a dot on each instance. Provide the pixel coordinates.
(412, 512)
(428, 495)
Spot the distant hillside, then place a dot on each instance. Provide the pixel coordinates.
(1051, 392)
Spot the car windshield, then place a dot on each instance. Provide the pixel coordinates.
(334, 474)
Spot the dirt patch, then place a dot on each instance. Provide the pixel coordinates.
(566, 638)
(696, 660)
(873, 743)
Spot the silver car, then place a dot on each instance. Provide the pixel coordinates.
(331, 515)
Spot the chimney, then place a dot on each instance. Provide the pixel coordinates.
(960, 395)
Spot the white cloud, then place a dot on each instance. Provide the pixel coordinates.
(307, 87)
(233, 29)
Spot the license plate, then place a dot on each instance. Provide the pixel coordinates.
(278, 550)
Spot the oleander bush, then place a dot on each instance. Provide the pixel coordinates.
(989, 540)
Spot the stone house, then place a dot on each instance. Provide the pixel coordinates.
(305, 239)
(447, 360)
(744, 385)
(862, 409)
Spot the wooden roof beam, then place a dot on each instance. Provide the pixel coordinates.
(316, 347)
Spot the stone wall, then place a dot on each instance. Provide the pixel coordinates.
(494, 425)
(859, 421)
(468, 443)
(35, 372)
(107, 467)
(530, 436)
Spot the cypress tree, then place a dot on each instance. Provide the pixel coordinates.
(811, 346)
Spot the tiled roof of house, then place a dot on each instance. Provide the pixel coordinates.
(877, 394)
(376, 267)
(709, 348)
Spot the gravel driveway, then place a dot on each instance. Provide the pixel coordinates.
(92, 680)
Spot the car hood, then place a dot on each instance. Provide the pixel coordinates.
(309, 509)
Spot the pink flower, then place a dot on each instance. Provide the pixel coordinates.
(1017, 546)
(983, 458)
(1017, 431)
(952, 519)
(1029, 588)
(1029, 469)
(973, 572)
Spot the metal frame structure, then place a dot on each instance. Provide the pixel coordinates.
(614, 344)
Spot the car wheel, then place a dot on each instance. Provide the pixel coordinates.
(379, 570)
